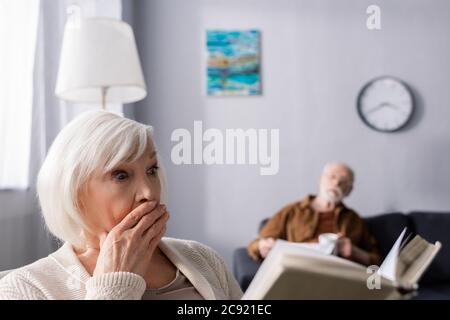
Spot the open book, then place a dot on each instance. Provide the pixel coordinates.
(299, 271)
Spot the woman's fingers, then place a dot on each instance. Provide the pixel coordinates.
(149, 219)
(137, 234)
(133, 218)
(154, 230)
(102, 238)
(153, 242)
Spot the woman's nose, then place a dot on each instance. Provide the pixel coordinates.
(144, 191)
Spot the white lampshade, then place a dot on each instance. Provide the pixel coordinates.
(98, 55)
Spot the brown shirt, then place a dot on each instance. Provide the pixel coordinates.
(298, 222)
(325, 224)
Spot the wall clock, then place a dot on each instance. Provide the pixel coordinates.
(385, 104)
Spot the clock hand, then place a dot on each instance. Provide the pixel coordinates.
(390, 105)
(377, 107)
(381, 105)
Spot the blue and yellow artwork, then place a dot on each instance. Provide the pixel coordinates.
(233, 63)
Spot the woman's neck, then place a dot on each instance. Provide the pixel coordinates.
(88, 257)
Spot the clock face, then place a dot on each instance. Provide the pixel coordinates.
(385, 104)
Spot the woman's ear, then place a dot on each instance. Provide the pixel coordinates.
(80, 199)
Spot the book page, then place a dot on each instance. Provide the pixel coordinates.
(264, 278)
(324, 248)
(289, 269)
(306, 249)
(305, 274)
(416, 257)
(324, 279)
(271, 267)
(388, 268)
(409, 254)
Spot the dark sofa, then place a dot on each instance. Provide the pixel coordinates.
(432, 226)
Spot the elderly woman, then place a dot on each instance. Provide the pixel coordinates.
(102, 193)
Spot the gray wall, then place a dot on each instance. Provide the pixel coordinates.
(316, 55)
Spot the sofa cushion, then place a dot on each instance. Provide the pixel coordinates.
(435, 226)
(433, 292)
(386, 228)
(244, 268)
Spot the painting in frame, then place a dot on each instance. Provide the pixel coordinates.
(233, 62)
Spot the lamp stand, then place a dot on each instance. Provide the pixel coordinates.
(104, 91)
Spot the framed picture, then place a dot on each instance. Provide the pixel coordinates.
(233, 63)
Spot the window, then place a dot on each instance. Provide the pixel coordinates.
(18, 32)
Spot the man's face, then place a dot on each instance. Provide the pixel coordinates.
(335, 183)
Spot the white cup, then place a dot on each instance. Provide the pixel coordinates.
(328, 238)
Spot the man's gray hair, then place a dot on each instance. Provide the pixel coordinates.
(340, 164)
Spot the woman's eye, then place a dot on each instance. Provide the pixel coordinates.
(120, 175)
(153, 170)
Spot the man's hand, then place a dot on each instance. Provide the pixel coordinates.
(264, 245)
(347, 250)
(344, 246)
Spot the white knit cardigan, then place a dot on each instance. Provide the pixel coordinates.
(62, 276)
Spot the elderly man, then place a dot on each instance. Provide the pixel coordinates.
(305, 220)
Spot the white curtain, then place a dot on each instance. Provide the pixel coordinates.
(23, 238)
(30, 115)
(18, 31)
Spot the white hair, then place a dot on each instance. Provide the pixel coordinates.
(331, 164)
(95, 140)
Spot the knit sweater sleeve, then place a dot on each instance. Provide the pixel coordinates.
(17, 286)
(108, 286)
(115, 286)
